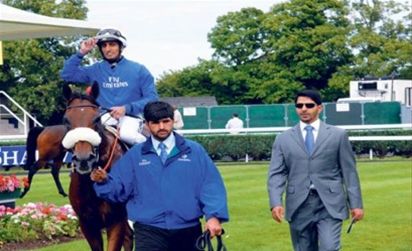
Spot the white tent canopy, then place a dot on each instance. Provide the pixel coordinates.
(18, 24)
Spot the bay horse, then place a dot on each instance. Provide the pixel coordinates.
(93, 146)
(48, 142)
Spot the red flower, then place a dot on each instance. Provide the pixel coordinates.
(46, 210)
(63, 217)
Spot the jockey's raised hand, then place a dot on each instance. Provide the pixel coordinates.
(87, 45)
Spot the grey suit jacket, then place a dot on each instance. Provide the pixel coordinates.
(331, 168)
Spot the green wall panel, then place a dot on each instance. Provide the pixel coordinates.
(199, 121)
(382, 113)
(351, 117)
(280, 115)
(221, 114)
(293, 117)
(266, 115)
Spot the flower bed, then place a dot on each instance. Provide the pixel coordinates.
(10, 188)
(37, 221)
(11, 183)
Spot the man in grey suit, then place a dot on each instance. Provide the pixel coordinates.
(314, 162)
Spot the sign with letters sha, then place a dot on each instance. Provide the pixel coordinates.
(15, 156)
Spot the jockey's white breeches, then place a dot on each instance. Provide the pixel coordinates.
(130, 128)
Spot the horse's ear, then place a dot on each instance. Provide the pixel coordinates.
(67, 91)
(95, 90)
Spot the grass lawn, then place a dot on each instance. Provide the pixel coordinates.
(387, 193)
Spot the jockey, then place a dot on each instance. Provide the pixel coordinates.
(125, 86)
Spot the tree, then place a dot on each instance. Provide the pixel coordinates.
(381, 42)
(31, 68)
(238, 37)
(268, 57)
(382, 38)
(190, 81)
(308, 40)
(323, 45)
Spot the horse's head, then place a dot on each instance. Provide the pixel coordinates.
(82, 119)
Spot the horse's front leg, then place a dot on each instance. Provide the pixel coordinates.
(93, 235)
(128, 238)
(116, 236)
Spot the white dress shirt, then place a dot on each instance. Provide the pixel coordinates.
(169, 143)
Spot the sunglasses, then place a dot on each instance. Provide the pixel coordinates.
(109, 32)
(308, 105)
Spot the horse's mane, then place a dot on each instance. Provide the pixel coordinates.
(78, 95)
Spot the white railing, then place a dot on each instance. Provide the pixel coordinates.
(272, 130)
(380, 138)
(23, 122)
(12, 114)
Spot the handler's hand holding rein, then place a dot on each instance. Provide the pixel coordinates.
(98, 175)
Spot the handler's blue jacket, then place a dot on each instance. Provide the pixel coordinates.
(127, 84)
(170, 196)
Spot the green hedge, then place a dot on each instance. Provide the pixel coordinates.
(258, 146)
(382, 148)
(13, 143)
(236, 146)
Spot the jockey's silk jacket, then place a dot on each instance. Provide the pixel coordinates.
(127, 83)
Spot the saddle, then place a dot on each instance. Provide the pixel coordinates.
(114, 132)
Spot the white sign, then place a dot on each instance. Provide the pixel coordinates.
(189, 111)
(344, 107)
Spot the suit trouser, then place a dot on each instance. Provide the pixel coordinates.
(312, 228)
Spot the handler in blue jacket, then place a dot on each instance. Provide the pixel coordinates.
(166, 200)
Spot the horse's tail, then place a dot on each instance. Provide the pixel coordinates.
(31, 145)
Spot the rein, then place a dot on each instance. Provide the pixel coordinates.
(112, 153)
(204, 242)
